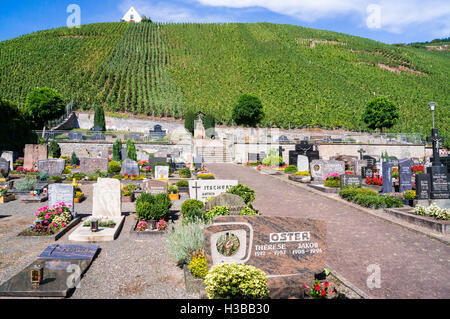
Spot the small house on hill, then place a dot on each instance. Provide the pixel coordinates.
(132, 16)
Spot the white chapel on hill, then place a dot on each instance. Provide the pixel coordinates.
(132, 16)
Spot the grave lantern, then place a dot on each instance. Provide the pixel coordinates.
(94, 225)
(36, 274)
(432, 104)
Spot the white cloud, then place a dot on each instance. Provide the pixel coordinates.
(396, 15)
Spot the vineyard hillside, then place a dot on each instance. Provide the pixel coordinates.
(304, 77)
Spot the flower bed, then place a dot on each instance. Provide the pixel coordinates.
(54, 221)
(369, 198)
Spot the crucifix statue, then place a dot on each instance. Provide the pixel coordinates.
(435, 139)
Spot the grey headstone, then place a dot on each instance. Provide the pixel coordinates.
(405, 175)
(9, 156)
(387, 177)
(51, 166)
(58, 193)
(4, 167)
(350, 180)
(129, 167)
(234, 203)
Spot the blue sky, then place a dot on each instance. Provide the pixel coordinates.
(395, 21)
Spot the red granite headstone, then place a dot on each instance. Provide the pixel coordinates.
(34, 153)
(289, 250)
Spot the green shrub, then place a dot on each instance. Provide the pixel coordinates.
(205, 176)
(26, 184)
(150, 206)
(245, 192)
(350, 192)
(389, 202)
(55, 178)
(99, 118)
(77, 176)
(189, 119)
(185, 172)
(248, 211)
(290, 169)
(192, 210)
(42, 105)
(332, 183)
(131, 150)
(54, 150)
(248, 110)
(43, 176)
(118, 176)
(182, 183)
(172, 189)
(66, 171)
(117, 151)
(272, 160)
(184, 239)
(74, 159)
(217, 211)
(236, 281)
(114, 167)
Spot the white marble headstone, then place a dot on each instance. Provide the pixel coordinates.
(9, 157)
(107, 198)
(302, 163)
(58, 193)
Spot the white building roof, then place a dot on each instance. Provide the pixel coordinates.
(132, 15)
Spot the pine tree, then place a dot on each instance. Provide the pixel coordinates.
(131, 150)
(54, 150)
(74, 159)
(189, 119)
(117, 150)
(99, 118)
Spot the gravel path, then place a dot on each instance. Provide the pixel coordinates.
(412, 265)
(124, 268)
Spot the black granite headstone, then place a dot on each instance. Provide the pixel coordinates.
(350, 180)
(439, 182)
(423, 186)
(387, 177)
(405, 175)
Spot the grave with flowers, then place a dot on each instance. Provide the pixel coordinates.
(52, 222)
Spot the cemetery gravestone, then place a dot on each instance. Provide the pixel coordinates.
(405, 175)
(58, 193)
(162, 172)
(289, 250)
(129, 167)
(321, 168)
(58, 280)
(423, 186)
(387, 177)
(51, 166)
(204, 189)
(9, 156)
(107, 198)
(90, 165)
(153, 160)
(302, 163)
(234, 203)
(154, 187)
(4, 167)
(34, 153)
(439, 182)
(350, 180)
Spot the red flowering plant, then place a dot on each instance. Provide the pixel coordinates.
(51, 219)
(162, 225)
(418, 169)
(374, 181)
(318, 290)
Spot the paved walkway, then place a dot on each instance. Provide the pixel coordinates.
(412, 265)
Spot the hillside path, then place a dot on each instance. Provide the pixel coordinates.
(412, 265)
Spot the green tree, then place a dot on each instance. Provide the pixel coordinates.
(209, 122)
(248, 110)
(189, 119)
(145, 19)
(15, 130)
(99, 118)
(74, 159)
(54, 150)
(131, 150)
(117, 150)
(380, 113)
(43, 105)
